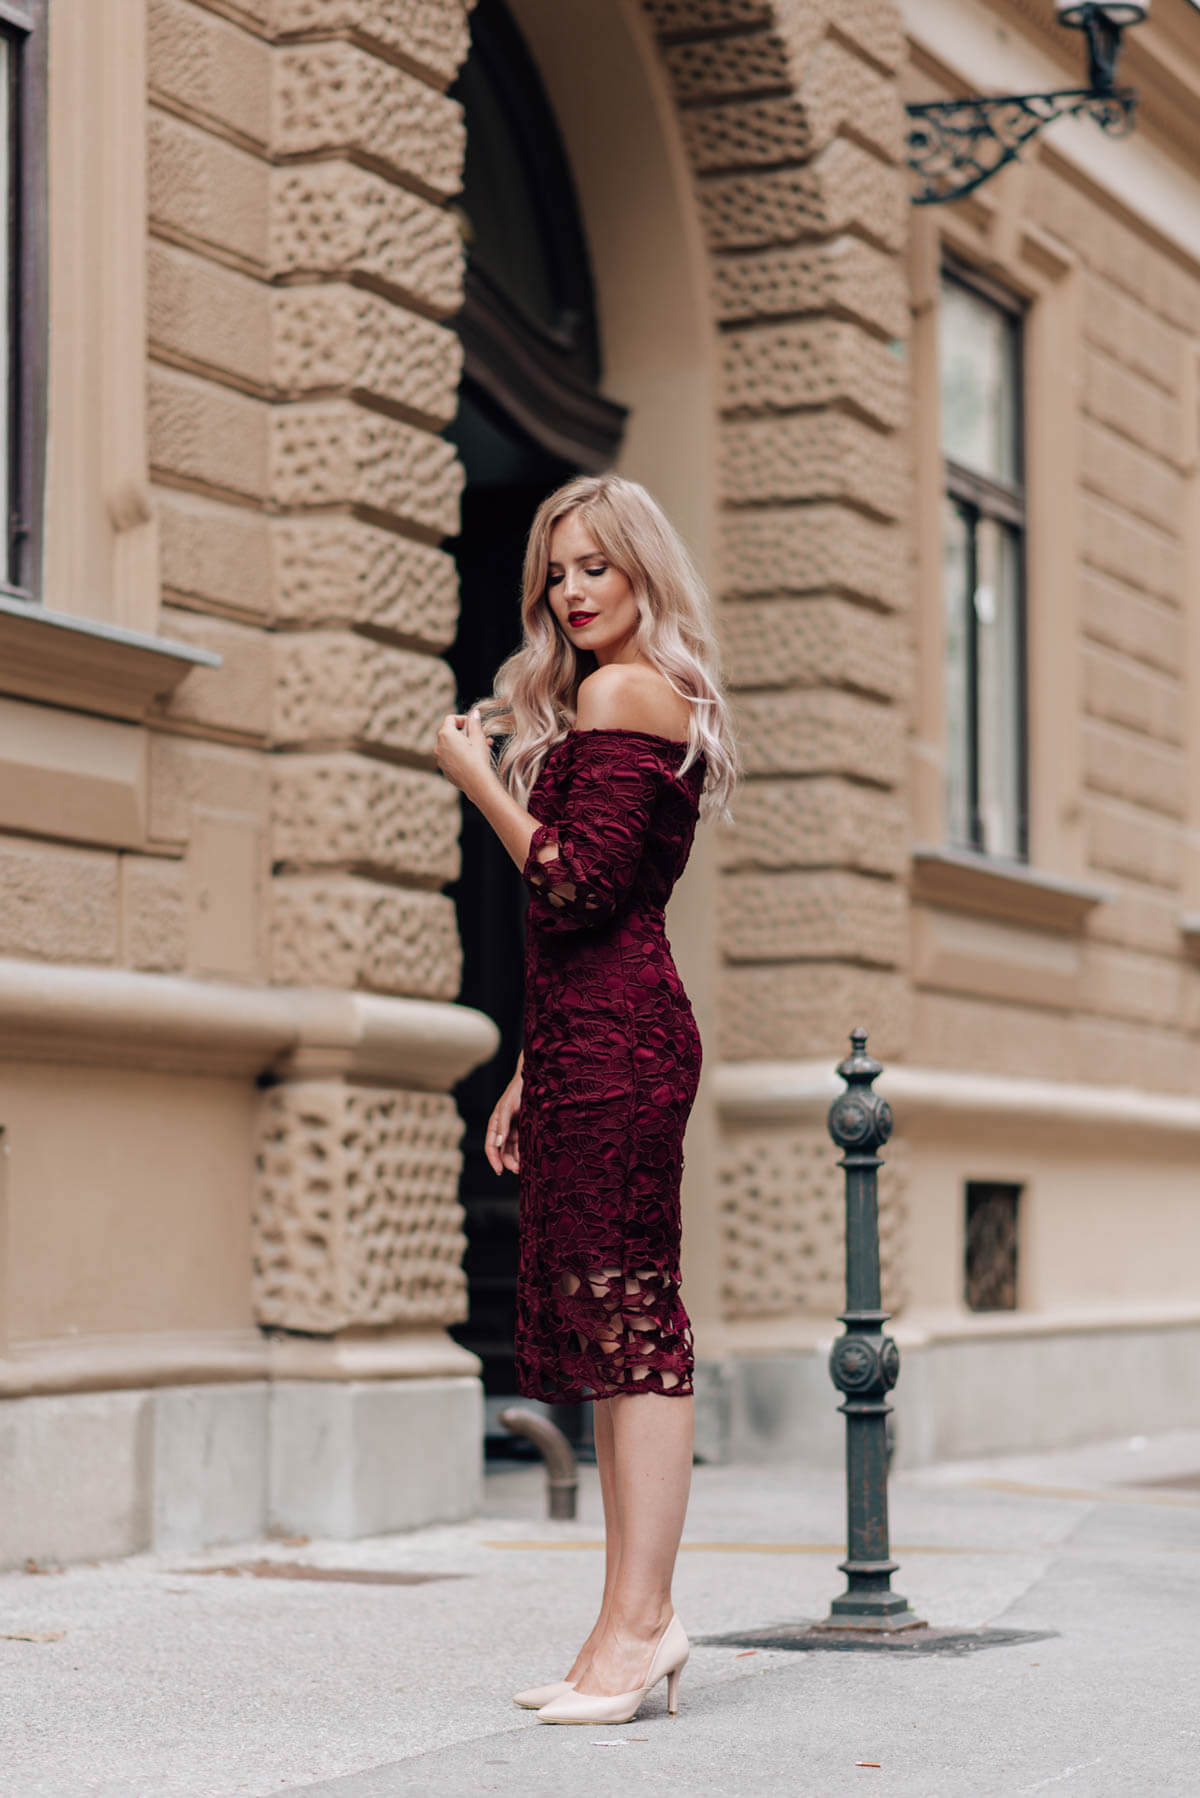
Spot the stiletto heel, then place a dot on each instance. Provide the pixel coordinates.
(670, 1653)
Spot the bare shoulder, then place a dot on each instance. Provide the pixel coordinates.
(631, 696)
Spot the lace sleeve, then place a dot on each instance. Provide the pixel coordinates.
(580, 869)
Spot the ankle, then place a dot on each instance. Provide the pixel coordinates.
(644, 1624)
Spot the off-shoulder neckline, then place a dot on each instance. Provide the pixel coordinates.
(617, 730)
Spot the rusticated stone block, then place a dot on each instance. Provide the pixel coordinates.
(813, 549)
(343, 338)
(364, 815)
(874, 27)
(334, 452)
(824, 822)
(1122, 692)
(153, 914)
(1133, 406)
(821, 733)
(206, 190)
(186, 774)
(814, 362)
(344, 932)
(57, 904)
(669, 16)
(433, 34)
(202, 433)
(342, 571)
(801, 916)
(214, 554)
(208, 65)
(1120, 545)
(1138, 626)
(1132, 478)
(950, 1031)
(843, 187)
(335, 96)
(200, 312)
(332, 218)
(841, 92)
(356, 1218)
(814, 643)
(842, 275)
(804, 1012)
(1122, 983)
(725, 68)
(237, 695)
(746, 134)
(783, 1222)
(1121, 840)
(1132, 334)
(813, 455)
(1128, 767)
(334, 688)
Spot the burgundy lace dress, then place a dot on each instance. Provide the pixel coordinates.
(612, 1062)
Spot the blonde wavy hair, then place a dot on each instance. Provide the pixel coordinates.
(533, 702)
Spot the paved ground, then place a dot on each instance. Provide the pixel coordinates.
(163, 1681)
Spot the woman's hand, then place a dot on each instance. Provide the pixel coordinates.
(500, 1145)
(463, 752)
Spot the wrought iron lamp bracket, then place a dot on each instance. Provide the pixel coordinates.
(956, 145)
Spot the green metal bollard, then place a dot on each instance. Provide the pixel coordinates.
(864, 1363)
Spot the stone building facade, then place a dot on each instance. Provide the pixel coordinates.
(233, 1243)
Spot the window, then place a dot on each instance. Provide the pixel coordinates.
(23, 264)
(990, 1274)
(983, 568)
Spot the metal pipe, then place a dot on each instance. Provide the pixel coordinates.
(562, 1470)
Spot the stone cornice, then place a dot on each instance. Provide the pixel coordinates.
(111, 1017)
(82, 664)
(1007, 890)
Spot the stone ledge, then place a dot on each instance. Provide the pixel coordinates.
(1002, 889)
(113, 1018)
(770, 1092)
(83, 664)
(1189, 930)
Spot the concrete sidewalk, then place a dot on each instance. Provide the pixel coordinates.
(164, 1681)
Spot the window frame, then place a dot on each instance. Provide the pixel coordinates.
(23, 23)
(976, 497)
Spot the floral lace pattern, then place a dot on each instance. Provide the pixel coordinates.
(612, 1063)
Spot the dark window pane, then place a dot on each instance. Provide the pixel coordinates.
(956, 585)
(991, 1242)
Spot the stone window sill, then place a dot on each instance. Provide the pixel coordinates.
(87, 665)
(1189, 930)
(962, 881)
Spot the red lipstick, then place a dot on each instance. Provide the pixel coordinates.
(577, 620)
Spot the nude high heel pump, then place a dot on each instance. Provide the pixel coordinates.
(670, 1653)
(537, 1696)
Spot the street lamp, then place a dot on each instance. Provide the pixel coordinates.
(956, 145)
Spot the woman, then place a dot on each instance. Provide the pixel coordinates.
(616, 737)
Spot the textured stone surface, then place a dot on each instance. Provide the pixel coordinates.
(356, 1219)
(342, 338)
(153, 914)
(345, 932)
(814, 455)
(214, 554)
(812, 643)
(206, 434)
(333, 218)
(342, 571)
(205, 190)
(201, 313)
(700, 15)
(803, 1011)
(1121, 840)
(334, 688)
(209, 66)
(818, 362)
(788, 916)
(336, 453)
(336, 96)
(842, 92)
(811, 549)
(352, 812)
(1136, 624)
(1132, 478)
(783, 1223)
(186, 774)
(237, 695)
(1116, 689)
(1117, 544)
(821, 733)
(746, 134)
(433, 34)
(845, 187)
(57, 904)
(1126, 766)
(842, 275)
(725, 68)
(822, 822)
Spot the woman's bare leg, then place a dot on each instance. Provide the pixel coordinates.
(602, 1431)
(652, 1437)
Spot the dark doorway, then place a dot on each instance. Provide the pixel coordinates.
(531, 415)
